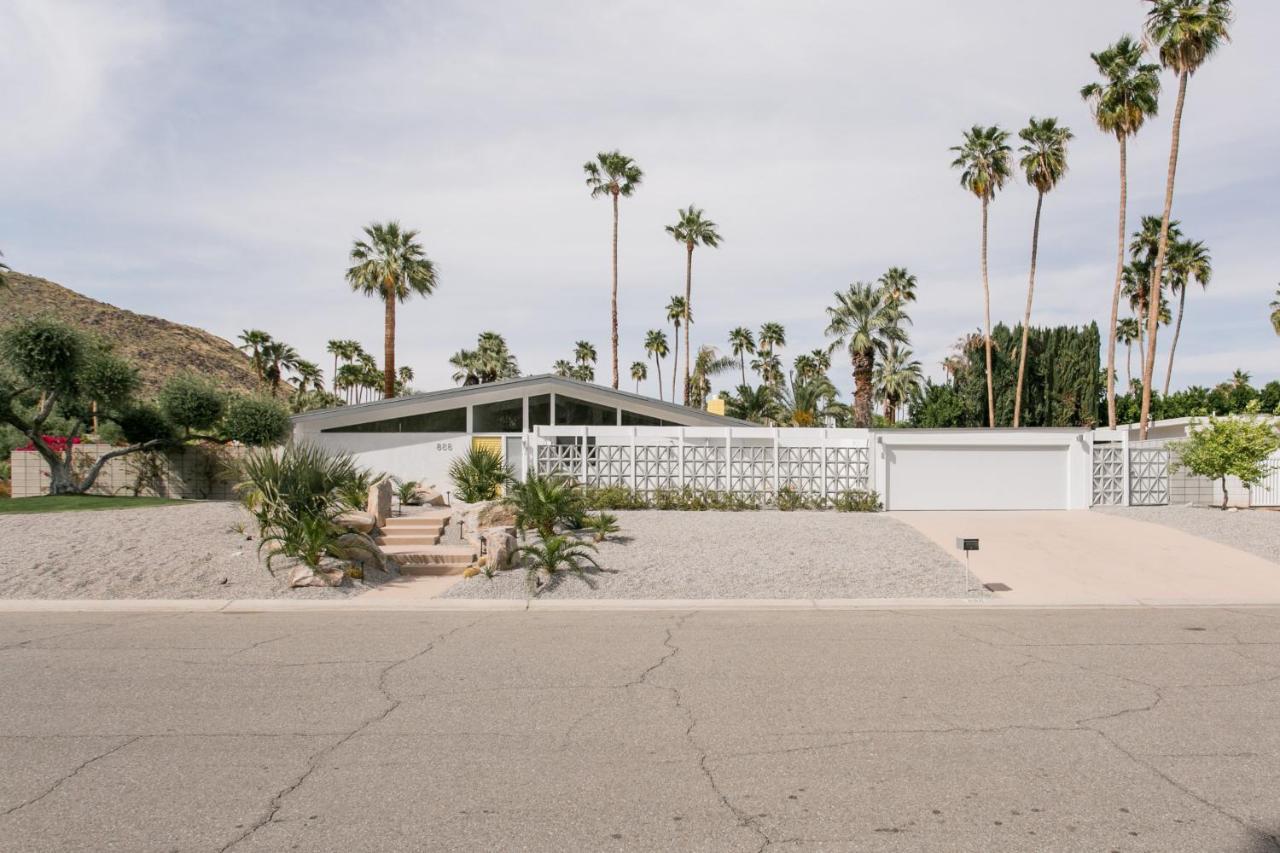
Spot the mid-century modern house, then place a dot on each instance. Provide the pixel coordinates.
(419, 436)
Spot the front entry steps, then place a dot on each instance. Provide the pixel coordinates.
(413, 542)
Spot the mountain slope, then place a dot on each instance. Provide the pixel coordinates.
(158, 348)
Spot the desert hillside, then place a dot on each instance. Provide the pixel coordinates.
(158, 347)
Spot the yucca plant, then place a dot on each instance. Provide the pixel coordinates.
(602, 525)
(555, 555)
(479, 475)
(544, 500)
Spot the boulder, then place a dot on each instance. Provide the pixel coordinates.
(360, 522)
(495, 514)
(500, 547)
(430, 496)
(380, 502)
(303, 575)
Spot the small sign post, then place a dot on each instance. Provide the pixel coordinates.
(967, 544)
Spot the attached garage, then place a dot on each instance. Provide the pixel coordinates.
(983, 470)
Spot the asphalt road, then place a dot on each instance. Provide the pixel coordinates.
(1154, 729)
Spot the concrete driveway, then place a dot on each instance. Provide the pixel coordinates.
(1009, 730)
(1084, 557)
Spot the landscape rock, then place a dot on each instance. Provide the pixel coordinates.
(302, 575)
(430, 496)
(495, 514)
(500, 547)
(360, 522)
(380, 502)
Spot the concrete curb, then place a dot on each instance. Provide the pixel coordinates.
(445, 605)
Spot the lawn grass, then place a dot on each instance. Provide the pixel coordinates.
(70, 503)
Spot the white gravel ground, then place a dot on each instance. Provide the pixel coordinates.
(155, 552)
(1254, 530)
(752, 555)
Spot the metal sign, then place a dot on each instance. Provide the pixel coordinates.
(963, 544)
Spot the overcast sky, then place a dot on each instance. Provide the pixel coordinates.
(211, 163)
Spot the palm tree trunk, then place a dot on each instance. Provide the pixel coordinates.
(1026, 320)
(862, 368)
(389, 344)
(1115, 293)
(1153, 309)
(614, 305)
(688, 308)
(986, 338)
(1129, 370)
(675, 360)
(742, 361)
(335, 374)
(1173, 345)
(657, 368)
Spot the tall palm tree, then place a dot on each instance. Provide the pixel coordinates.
(758, 405)
(1128, 331)
(708, 363)
(277, 357)
(1186, 33)
(639, 372)
(347, 351)
(307, 376)
(490, 361)
(984, 163)
(769, 367)
(899, 285)
(1275, 312)
(743, 344)
(404, 375)
(584, 358)
(678, 315)
(898, 379)
(562, 368)
(1189, 260)
(866, 322)
(1044, 162)
(615, 175)
(392, 266)
(1121, 104)
(692, 229)
(252, 341)
(808, 402)
(772, 336)
(655, 344)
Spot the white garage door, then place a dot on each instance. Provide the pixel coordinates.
(959, 477)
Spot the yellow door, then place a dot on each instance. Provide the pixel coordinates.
(491, 443)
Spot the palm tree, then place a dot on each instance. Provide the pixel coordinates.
(691, 229)
(1275, 311)
(898, 379)
(655, 344)
(768, 366)
(584, 357)
(307, 375)
(639, 372)
(404, 375)
(772, 335)
(1128, 330)
(615, 175)
(490, 361)
(677, 314)
(1121, 104)
(758, 405)
(562, 368)
(866, 322)
(743, 344)
(900, 285)
(1143, 248)
(1187, 33)
(1189, 261)
(277, 357)
(983, 159)
(252, 341)
(1044, 162)
(392, 266)
(342, 349)
(808, 402)
(708, 363)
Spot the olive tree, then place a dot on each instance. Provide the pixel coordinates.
(1235, 446)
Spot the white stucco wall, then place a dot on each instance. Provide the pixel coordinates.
(420, 456)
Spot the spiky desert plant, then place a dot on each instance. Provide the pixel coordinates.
(542, 501)
(554, 555)
(479, 475)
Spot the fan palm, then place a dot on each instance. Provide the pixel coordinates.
(899, 285)
(866, 322)
(562, 368)
(392, 266)
(1128, 331)
(277, 357)
(655, 344)
(490, 361)
(1186, 33)
(692, 229)
(307, 375)
(584, 357)
(898, 379)
(678, 315)
(1128, 95)
(769, 366)
(1189, 261)
(743, 344)
(1044, 162)
(615, 175)
(772, 336)
(639, 372)
(252, 341)
(984, 163)
(404, 375)
(707, 364)
(345, 350)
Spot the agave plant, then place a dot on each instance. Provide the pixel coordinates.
(544, 500)
(554, 555)
(479, 475)
(602, 525)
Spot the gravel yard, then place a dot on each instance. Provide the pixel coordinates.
(1256, 531)
(158, 552)
(752, 555)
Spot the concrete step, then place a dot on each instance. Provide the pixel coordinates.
(434, 517)
(406, 538)
(431, 559)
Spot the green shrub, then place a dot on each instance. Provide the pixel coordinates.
(602, 525)
(554, 555)
(299, 481)
(613, 497)
(789, 499)
(144, 422)
(256, 421)
(544, 500)
(858, 500)
(310, 539)
(478, 475)
(192, 402)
